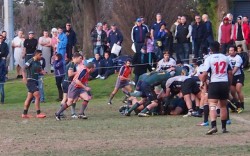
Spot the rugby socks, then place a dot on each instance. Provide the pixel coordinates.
(223, 123)
(206, 113)
(84, 106)
(200, 110)
(73, 109)
(213, 124)
(63, 107)
(38, 112)
(25, 112)
(145, 110)
(135, 106)
(218, 111)
(228, 118)
(111, 97)
(242, 105)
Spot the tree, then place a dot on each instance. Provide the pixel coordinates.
(56, 13)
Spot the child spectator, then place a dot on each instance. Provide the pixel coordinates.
(59, 74)
(150, 49)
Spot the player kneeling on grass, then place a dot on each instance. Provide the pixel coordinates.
(31, 72)
(123, 81)
(78, 88)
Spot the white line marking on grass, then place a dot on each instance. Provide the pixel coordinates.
(240, 119)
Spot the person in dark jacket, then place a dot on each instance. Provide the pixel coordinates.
(30, 45)
(4, 51)
(140, 63)
(115, 37)
(209, 37)
(59, 74)
(198, 32)
(138, 34)
(97, 61)
(71, 35)
(183, 33)
(106, 67)
(161, 42)
(99, 39)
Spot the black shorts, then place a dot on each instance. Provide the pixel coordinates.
(179, 102)
(238, 79)
(218, 90)
(148, 91)
(65, 86)
(189, 86)
(32, 86)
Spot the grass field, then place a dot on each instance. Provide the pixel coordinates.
(106, 132)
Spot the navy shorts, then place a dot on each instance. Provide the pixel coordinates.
(32, 86)
(65, 86)
(218, 90)
(148, 91)
(238, 79)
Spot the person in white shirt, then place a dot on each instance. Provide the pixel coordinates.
(236, 64)
(218, 91)
(166, 62)
(17, 44)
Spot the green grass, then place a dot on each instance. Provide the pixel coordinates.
(108, 133)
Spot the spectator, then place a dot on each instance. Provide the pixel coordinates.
(54, 40)
(115, 37)
(183, 34)
(173, 31)
(138, 34)
(30, 45)
(59, 74)
(238, 34)
(71, 36)
(140, 62)
(155, 28)
(209, 37)
(106, 67)
(105, 28)
(40, 81)
(62, 41)
(160, 42)
(169, 42)
(198, 29)
(45, 46)
(99, 39)
(4, 51)
(97, 61)
(6, 40)
(17, 44)
(246, 31)
(143, 22)
(150, 49)
(225, 35)
(166, 62)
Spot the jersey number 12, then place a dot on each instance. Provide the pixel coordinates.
(220, 67)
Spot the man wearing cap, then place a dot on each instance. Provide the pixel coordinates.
(138, 35)
(30, 45)
(238, 34)
(115, 36)
(99, 39)
(225, 35)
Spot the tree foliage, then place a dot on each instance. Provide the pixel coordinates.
(56, 13)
